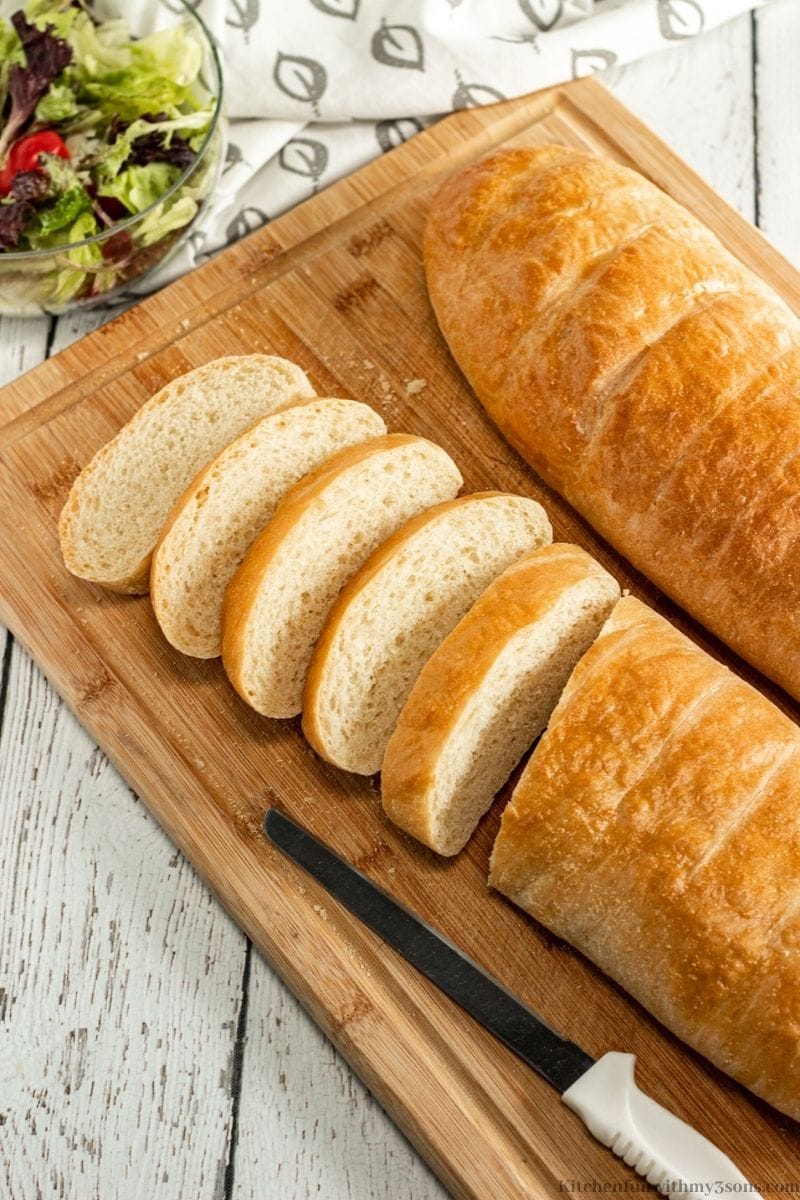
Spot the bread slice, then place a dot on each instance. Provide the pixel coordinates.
(230, 501)
(488, 692)
(120, 501)
(396, 611)
(322, 531)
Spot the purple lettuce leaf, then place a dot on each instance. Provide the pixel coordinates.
(46, 56)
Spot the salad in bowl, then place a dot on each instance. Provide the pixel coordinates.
(110, 144)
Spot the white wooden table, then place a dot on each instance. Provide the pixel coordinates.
(145, 1050)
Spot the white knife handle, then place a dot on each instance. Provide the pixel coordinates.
(668, 1152)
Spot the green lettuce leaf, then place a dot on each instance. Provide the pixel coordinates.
(139, 187)
(99, 48)
(115, 156)
(77, 263)
(175, 213)
(131, 93)
(53, 219)
(60, 171)
(57, 104)
(175, 53)
(42, 13)
(126, 78)
(10, 45)
(10, 53)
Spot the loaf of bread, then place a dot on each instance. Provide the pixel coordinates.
(323, 530)
(230, 501)
(657, 828)
(121, 499)
(642, 371)
(488, 691)
(397, 609)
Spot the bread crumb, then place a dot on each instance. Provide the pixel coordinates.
(185, 323)
(368, 366)
(391, 870)
(141, 356)
(414, 386)
(323, 912)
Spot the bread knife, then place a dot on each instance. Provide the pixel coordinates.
(670, 1154)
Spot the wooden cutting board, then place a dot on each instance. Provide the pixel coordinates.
(337, 285)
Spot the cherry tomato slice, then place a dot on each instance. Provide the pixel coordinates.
(24, 155)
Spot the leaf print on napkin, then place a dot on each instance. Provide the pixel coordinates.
(338, 8)
(304, 156)
(394, 133)
(398, 46)
(587, 62)
(245, 221)
(301, 78)
(680, 18)
(233, 156)
(243, 14)
(180, 6)
(521, 39)
(543, 13)
(474, 95)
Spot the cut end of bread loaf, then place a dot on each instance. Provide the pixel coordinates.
(229, 503)
(322, 532)
(654, 829)
(488, 692)
(396, 611)
(120, 501)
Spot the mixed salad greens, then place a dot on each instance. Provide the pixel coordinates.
(95, 127)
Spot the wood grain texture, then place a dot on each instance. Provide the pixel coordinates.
(699, 98)
(75, 1049)
(388, 387)
(306, 1124)
(23, 344)
(776, 52)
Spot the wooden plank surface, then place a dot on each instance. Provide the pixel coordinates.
(776, 53)
(254, 1141)
(62, 1051)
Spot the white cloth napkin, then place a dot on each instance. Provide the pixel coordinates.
(316, 88)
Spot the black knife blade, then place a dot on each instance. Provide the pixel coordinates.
(559, 1061)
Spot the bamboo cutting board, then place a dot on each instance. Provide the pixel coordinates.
(337, 285)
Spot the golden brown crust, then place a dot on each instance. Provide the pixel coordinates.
(373, 566)
(521, 596)
(636, 834)
(242, 591)
(642, 371)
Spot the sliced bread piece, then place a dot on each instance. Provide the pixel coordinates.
(120, 501)
(322, 532)
(488, 692)
(396, 611)
(230, 501)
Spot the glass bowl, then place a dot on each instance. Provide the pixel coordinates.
(99, 269)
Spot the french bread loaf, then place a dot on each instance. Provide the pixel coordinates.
(656, 827)
(121, 499)
(396, 610)
(230, 501)
(326, 526)
(642, 371)
(488, 691)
